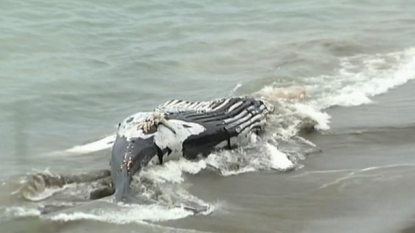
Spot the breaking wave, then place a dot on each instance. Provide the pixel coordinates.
(360, 78)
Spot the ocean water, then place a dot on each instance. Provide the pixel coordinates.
(71, 70)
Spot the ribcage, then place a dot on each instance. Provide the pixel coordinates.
(176, 106)
(226, 122)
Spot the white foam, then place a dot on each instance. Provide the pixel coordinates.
(278, 160)
(122, 214)
(359, 79)
(20, 211)
(228, 163)
(364, 76)
(243, 170)
(322, 118)
(172, 171)
(99, 145)
(125, 214)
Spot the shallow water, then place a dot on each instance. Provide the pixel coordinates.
(70, 71)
